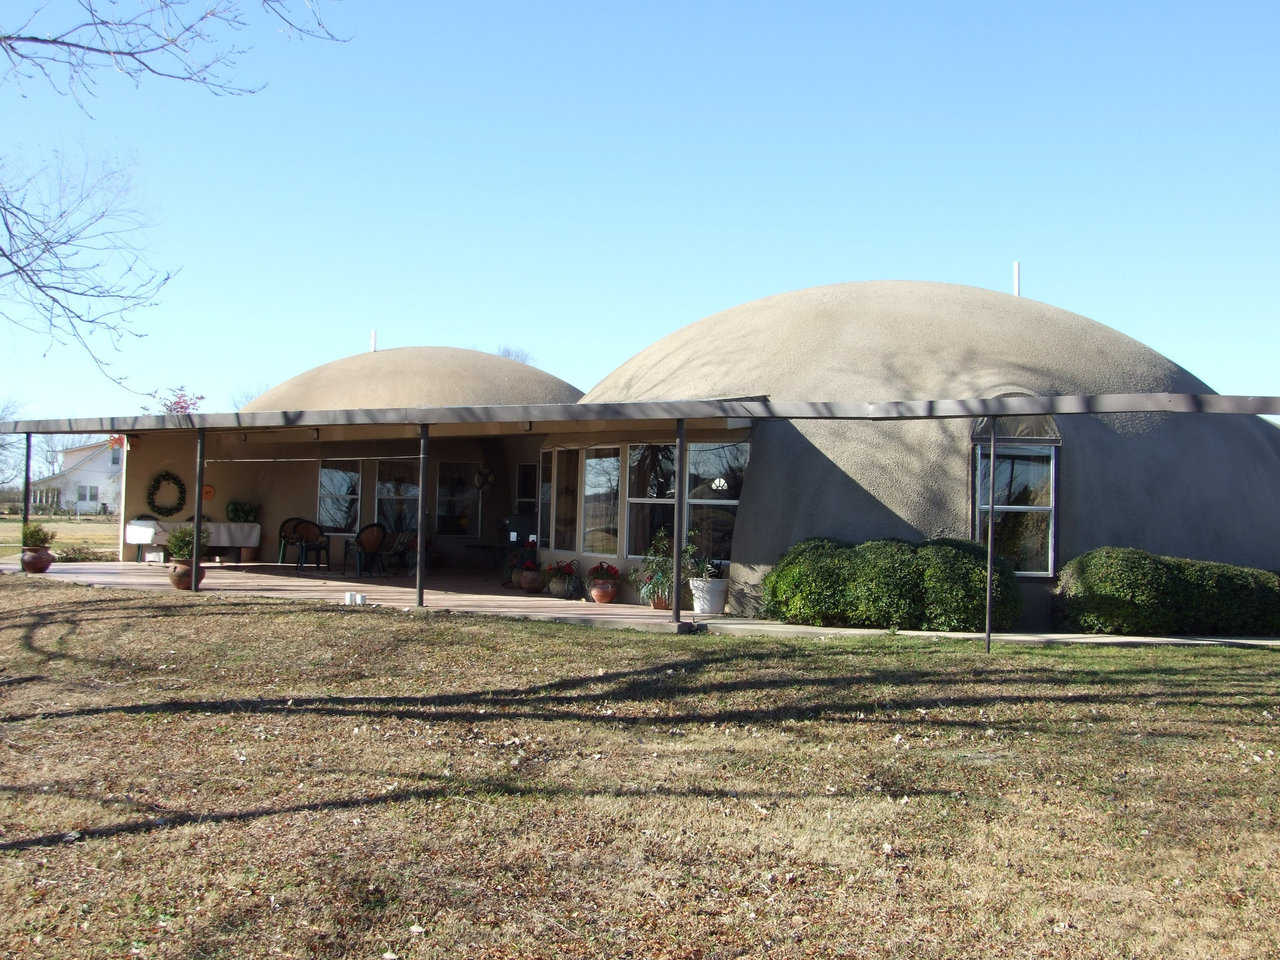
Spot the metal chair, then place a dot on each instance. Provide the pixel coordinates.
(312, 542)
(368, 545)
(288, 535)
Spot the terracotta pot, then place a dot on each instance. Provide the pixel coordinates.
(180, 574)
(660, 601)
(36, 559)
(603, 591)
(531, 580)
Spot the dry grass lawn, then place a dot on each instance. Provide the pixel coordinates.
(97, 533)
(205, 777)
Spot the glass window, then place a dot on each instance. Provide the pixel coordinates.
(1024, 504)
(566, 500)
(601, 477)
(716, 470)
(526, 489)
(82, 493)
(93, 493)
(397, 496)
(115, 456)
(651, 493)
(338, 510)
(544, 499)
(458, 500)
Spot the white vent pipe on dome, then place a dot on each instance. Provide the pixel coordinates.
(1017, 279)
(373, 341)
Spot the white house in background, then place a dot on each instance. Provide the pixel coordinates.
(89, 481)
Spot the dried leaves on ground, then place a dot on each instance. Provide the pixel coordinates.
(206, 777)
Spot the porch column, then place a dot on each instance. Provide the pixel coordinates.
(423, 430)
(677, 541)
(991, 522)
(195, 546)
(26, 487)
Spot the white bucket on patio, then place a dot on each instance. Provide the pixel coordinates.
(709, 596)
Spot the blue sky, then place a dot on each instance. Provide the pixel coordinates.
(579, 180)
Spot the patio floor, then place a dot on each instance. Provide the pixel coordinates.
(454, 590)
(477, 592)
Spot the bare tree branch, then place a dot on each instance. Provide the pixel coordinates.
(69, 269)
(165, 39)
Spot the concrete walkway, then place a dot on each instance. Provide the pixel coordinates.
(477, 593)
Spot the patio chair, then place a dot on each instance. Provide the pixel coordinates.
(288, 535)
(368, 546)
(404, 550)
(312, 542)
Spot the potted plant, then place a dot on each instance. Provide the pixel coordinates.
(239, 511)
(35, 548)
(653, 579)
(181, 550)
(602, 582)
(530, 577)
(561, 578)
(709, 590)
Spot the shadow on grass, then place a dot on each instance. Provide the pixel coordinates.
(443, 788)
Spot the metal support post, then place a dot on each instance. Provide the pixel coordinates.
(991, 523)
(199, 519)
(677, 541)
(423, 429)
(26, 487)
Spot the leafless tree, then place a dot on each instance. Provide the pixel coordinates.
(11, 452)
(518, 354)
(68, 266)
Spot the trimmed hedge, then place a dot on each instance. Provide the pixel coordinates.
(1127, 591)
(936, 585)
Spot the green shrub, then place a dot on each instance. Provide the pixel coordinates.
(1127, 591)
(939, 585)
(884, 587)
(37, 535)
(80, 554)
(238, 511)
(954, 576)
(182, 540)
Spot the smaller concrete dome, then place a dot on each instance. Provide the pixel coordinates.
(415, 377)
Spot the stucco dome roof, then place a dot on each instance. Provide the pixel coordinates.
(415, 377)
(891, 340)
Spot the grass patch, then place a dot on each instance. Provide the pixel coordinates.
(88, 533)
(214, 777)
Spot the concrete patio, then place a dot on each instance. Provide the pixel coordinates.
(478, 593)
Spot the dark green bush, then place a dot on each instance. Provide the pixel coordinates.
(954, 576)
(1127, 591)
(939, 585)
(884, 588)
(81, 554)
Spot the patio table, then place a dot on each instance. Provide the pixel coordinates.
(156, 533)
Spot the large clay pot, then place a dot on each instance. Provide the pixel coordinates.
(603, 591)
(560, 587)
(531, 581)
(36, 559)
(660, 601)
(180, 574)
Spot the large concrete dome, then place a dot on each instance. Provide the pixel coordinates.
(891, 341)
(1188, 485)
(415, 377)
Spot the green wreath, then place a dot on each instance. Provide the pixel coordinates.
(160, 479)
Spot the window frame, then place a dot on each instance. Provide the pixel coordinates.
(629, 499)
(580, 540)
(477, 465)
(977, 499)
(357, 498)
(378, 498)
(690, 502)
